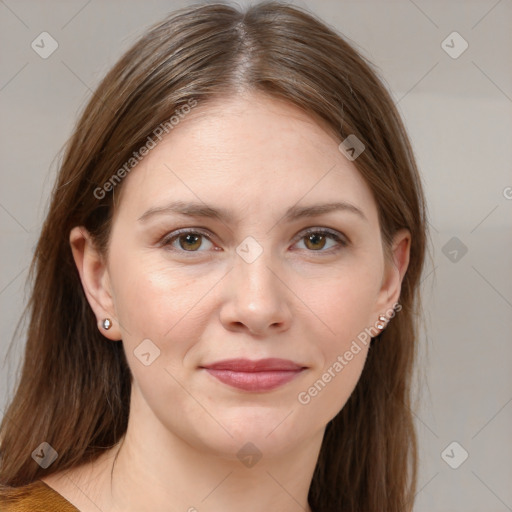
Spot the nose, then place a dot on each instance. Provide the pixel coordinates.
(257, 299)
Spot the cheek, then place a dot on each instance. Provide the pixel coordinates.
(343, 303)
(165, 304)
(147, 294)
(328, 391)
(343, 306)
(162, 305)
(342, 346)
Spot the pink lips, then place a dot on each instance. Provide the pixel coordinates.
(261, 375)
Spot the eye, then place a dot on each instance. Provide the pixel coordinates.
(315, 240)
(185, 240)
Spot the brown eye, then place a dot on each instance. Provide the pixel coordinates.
(315, 241)
(186, 241)
(322, 240)
(189, 242)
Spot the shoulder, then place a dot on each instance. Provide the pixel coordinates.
(34, 497)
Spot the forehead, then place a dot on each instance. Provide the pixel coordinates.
(251, 152)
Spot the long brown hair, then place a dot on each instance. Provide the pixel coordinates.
(74, 386)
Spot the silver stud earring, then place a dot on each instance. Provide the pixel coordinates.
(382, 322)
(107, 324)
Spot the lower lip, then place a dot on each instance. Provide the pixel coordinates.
(254, 381)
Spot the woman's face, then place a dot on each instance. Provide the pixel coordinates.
(225, 245)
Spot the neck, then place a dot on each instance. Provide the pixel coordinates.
(155, 469)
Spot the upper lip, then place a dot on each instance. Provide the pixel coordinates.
(260, 365)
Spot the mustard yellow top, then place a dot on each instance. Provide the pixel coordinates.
(34, 497)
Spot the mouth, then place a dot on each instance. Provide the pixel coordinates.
(256, 376)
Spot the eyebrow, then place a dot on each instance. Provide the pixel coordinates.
(293, 213)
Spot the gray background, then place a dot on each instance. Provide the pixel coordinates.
(458, 113)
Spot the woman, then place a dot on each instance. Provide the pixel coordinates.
(226, 285)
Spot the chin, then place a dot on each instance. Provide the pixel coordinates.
(267, 432)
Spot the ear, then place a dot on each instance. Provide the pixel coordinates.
(394, 272)
(95, 279)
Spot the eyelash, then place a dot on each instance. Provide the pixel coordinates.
(342, 242)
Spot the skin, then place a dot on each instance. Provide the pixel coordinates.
(299, 300)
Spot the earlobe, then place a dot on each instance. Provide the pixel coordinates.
(95, 280)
